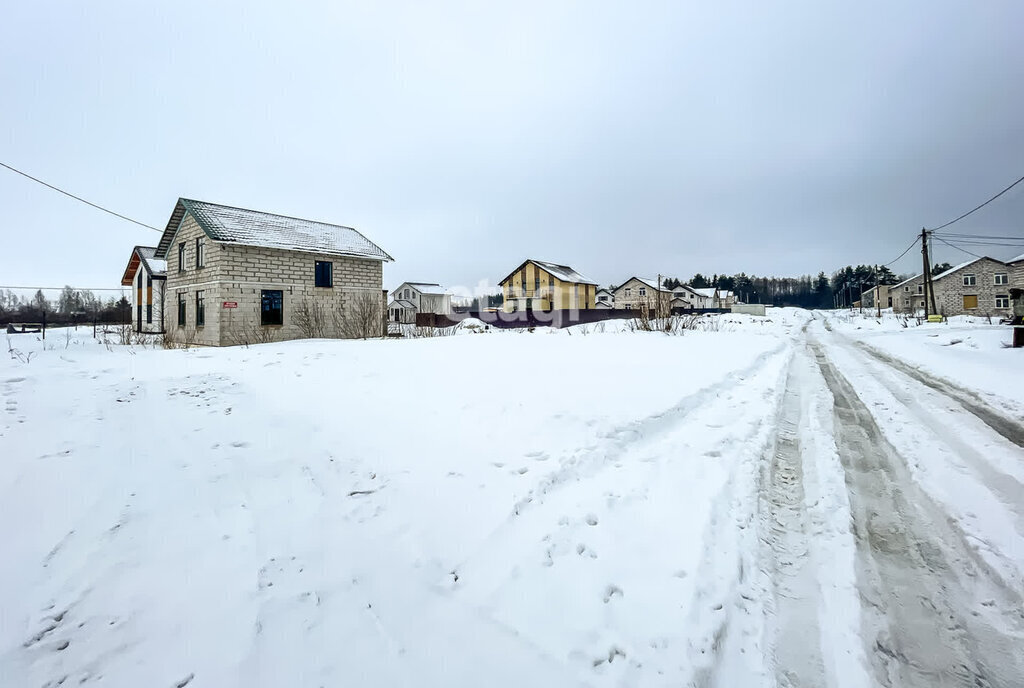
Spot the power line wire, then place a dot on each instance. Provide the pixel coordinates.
(980, 206)
(912, 244)
(79, 198)
(958, 248)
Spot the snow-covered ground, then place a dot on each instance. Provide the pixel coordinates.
(758, 502)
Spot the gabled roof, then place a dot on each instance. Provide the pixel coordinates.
(1017, 259)
(427, 287)
(401, 303)
(961, 266)
(909, 279)
(561, 272)
(687, 288)
(650, 282)
(266, 230)
(143, 255)
(709, 292)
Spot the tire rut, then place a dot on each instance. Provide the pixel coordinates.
(784, 532)
(933, 615)
(1008, 428)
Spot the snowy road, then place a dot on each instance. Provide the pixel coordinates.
(785, 504)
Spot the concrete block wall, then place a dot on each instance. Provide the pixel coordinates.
(238, 274)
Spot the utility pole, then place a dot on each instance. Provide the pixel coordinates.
(878, 295)
(927, 271)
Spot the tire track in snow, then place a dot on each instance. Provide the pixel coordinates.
(785, 534)
(630, 436)
(933, 615)
(970, 401)
(1007, 488)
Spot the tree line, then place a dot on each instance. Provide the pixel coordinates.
(71, 306)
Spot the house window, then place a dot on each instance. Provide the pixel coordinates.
(149, 314)
(405, 294)
(200, 252)
(906, 302)
(1000, 278)
(1002, 301)
(628, 291)
(920, 289)
(969, 281)
(906, 288)
(181, 257)
(272, 307)
(181, 309)
(970, 300)
(324, 273)
(200, 308)
(643, 291)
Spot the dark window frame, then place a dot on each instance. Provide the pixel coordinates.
(271, 317)
(323, 274)
(149, 314)
(182, 307)
(200, 252)
(181, 257)
(200, 308)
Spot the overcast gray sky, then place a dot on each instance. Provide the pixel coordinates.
(619, 137)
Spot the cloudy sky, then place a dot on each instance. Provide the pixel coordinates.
(619, 137)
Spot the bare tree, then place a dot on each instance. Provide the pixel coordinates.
(311, 319)
(362, 318)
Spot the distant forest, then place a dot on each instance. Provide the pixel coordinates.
(72, 306)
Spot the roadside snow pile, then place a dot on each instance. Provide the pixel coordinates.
(430, 512)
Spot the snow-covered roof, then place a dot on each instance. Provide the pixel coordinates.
(706, 291)
(401, 303)
(562, 272)
(1017, 259)
(909, 279)
(428, 288)
(961, 266)
(266, 230)
(156, 266)
(143, 255)
(649, 281)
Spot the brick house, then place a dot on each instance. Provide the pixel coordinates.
(977, 287)
(237, 276)
(1016, 266)
(639, 293)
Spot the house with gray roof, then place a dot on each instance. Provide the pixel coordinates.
(146, 275)
(544, 286)
(980, 286)
(411, 298)
(238, 276)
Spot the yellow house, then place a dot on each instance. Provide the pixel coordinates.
(540, 286)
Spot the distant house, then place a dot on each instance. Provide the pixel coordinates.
(237, 276)
(876, 295)
(604, 298)
(717, 298)
(542, 286)
(977, 287)
(687, 298)
(640, 293)
(411, 298)
(146, 275)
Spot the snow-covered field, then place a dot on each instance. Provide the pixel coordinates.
(766, 502)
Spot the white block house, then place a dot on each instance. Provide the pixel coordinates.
(411, 298)
(147, 277)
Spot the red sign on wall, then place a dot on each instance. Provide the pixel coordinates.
(231, 304)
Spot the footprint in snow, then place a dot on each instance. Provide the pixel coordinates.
(591, 520)
(611, 592)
